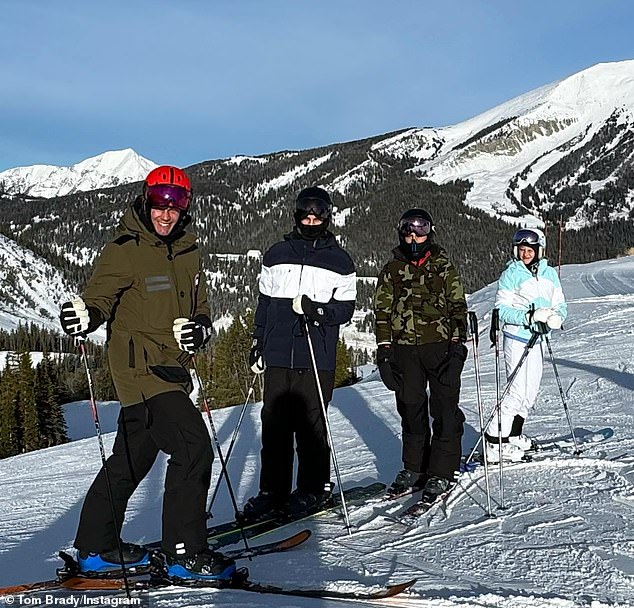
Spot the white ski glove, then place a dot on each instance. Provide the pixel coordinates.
(554, 321)
(547, 316)
(74, 317)
(540, 315)
(190, 335)
(297, 305)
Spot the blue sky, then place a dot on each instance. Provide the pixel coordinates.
(192, 80)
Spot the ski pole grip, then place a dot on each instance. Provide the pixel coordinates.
(473, 325)
(495, 326)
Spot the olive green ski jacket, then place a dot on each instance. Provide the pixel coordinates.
(140, 284)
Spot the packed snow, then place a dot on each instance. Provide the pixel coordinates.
(564, 539)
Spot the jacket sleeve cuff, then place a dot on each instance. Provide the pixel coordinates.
(203, 320)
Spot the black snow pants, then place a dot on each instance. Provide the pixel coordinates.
(170, 423)
(291, 414)
(438, 454)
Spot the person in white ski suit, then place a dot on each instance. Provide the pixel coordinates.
(530, 300)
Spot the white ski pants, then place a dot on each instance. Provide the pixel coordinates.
(522, 393)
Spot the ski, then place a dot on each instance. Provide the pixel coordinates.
(229, 533)
(542, 449)
(239, 583)
(584, 437)
(70, 571)
(387, 497)
(274, 547)
(420, 508)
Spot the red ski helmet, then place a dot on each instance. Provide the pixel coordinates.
(168, 175)
(167, 186)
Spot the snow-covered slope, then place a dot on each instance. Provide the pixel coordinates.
(102, 171)
(30, 289)
(563, 541)
(576, 132)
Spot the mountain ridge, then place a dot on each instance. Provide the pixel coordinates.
(111, 168)
(514, 164)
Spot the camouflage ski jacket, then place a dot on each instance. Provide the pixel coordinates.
(420, 304)
(140, 284)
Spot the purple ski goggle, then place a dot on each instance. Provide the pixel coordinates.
(163, 196)
(414, 225)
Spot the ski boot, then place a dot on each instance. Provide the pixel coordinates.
(434, 488)
(207, 565)
(301, 504)
(266, 505)
(510, 452)
(406, 481)
(135, 558)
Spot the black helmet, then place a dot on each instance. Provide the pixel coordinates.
(420, 223)
(313, 201)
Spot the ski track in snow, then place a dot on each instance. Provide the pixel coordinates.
(564, 539)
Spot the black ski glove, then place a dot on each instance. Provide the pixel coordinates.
(192, 334)
(453, 362)
(77, 319)
(387, 371)
(313, 311)
(256, 362)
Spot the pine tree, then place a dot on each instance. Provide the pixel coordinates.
(8, 414)
(10, 400)
(27, 405)
(344, 372)
(231, 375)
(50, 412)
(42, 406)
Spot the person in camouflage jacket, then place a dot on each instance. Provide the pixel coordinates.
(148, 287)
(421, 316)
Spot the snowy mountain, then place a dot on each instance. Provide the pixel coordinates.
(30, 289)
(103, 171)
(563, 151)
(564, 539)
(566, 148)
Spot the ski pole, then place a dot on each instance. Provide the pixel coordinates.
(223, 462)
(233, 440)
(563, 396)
(104, 464)
(473, 328)
(494, 334)
(509, 382)
(324, 411)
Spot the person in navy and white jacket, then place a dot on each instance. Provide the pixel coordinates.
(530, 300)
(307, 281)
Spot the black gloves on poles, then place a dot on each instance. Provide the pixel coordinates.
(74, 317)
(192, 334)
(256, 362)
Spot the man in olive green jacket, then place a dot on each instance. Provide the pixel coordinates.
(149, 288)
(421, 317)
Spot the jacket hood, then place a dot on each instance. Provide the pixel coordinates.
(132, 224)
